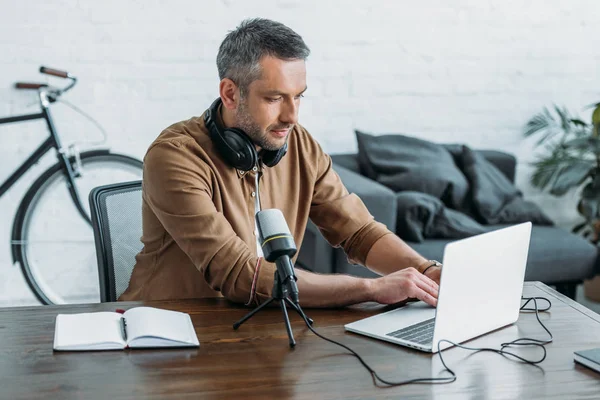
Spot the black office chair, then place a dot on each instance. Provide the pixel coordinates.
(116, 212)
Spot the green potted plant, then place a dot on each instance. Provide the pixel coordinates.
(571, 160)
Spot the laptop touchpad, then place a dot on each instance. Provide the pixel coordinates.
(382, 324)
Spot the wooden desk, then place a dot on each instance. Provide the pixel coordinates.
(256, 362)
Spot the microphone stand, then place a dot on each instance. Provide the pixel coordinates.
(280, 292)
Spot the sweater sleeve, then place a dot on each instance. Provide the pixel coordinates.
(180, 195)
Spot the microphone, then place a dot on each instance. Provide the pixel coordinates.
(278, 246)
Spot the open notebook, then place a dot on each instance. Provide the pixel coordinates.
(137, 327)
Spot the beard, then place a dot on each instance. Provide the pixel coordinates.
(259, 136)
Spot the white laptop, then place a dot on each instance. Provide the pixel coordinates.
(480, 291)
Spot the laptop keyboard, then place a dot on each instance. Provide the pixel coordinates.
(421, 333)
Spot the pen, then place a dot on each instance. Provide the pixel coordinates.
(124, 328)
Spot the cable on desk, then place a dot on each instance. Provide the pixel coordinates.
(449, 379)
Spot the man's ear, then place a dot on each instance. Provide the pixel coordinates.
(230, 93)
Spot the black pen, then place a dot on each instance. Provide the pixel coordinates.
(124, 328)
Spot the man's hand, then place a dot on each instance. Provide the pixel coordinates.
(434, 273)
(404, 284)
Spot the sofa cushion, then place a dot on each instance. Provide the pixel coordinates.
(493, 198)
(555, 255)
(505, 162)
(407, 163)
(421, 216)
(558, 255)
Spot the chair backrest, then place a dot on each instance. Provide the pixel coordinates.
(116, 212)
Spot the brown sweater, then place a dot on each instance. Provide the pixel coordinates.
(198, 216)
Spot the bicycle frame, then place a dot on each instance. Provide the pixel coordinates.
(53, 141)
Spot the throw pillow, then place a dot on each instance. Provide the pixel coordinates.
(421, 216)
(494, 199)
(407, 163)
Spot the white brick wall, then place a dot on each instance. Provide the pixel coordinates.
(461, 71)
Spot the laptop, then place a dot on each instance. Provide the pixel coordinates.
(480, 291)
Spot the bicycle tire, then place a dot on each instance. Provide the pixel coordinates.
(20, 234)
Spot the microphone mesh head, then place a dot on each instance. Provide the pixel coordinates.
(271, 222)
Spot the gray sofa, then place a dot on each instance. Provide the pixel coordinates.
(556, 256)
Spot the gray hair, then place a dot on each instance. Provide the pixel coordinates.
(241, 50)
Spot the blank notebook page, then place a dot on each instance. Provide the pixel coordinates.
(88, 329)
(154, 322)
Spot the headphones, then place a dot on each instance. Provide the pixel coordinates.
(235, 146)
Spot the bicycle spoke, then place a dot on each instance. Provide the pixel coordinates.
(56, 245)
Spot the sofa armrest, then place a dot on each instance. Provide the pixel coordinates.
(316, 254)
(347, 160)
(379, 200)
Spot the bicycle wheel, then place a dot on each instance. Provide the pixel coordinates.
(52, 242)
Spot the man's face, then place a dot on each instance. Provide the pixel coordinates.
(269, 109)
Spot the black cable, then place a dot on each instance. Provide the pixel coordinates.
(452, 378)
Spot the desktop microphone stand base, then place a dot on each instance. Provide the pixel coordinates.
(279, 293)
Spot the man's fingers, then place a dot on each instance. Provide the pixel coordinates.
(426, 297)
(427, 284)
(425, 290)
(408, 283)
(414, 274)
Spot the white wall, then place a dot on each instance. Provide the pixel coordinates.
(461, 71)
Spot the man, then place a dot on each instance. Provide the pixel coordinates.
(205, 178)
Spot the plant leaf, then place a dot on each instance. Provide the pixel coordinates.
(545, 170)
(588, 144)
(578, 142)
(537, 123)
(570, 175)
(578, 122)
(582, 131)
(596, 121)
(593, 105)
(565, 118)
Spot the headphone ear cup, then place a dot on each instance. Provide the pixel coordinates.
(244, 156)
(235, 147)
(271, 158)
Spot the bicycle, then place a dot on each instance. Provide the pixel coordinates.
(51, 221)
